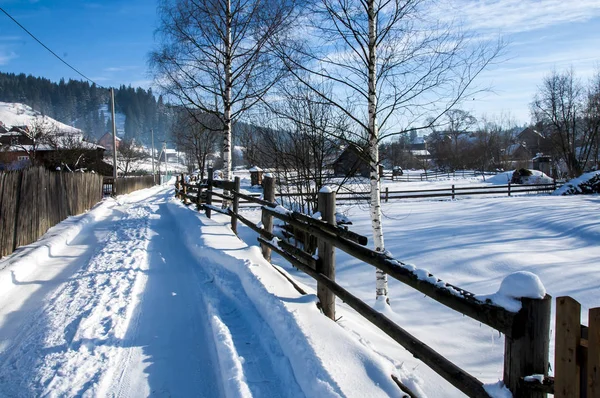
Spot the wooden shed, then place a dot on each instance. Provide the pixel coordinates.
(256, 175)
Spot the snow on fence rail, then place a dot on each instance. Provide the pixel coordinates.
(527, 331)
(35, 199)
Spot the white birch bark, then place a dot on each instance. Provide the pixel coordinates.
(381, 286)
(227, 166)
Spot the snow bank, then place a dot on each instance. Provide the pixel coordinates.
(522, 284)
(586, 183)
(504, 178)
(27, 258)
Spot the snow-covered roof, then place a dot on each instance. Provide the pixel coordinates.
(14, 114)
(418, 140)
(513, 148)
(420, 152)
(48, 147)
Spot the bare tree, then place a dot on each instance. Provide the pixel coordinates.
(214, 56)
(128, 156)
(565, 110)
(300, 143)
(592, 120)
(391, 70)
(456, 123)
(192, 133)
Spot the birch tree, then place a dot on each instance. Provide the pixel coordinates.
(214, 56)
(392, 69)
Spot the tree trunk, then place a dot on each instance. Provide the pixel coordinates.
(381, 287)
(227, 99)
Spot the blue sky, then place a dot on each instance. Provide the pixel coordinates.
(109, 41)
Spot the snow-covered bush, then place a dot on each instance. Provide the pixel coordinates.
(586, 184)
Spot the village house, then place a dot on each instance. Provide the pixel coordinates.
(106, 141)
(351, 162)
(20, 147)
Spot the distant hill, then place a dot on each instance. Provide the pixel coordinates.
(86, 106)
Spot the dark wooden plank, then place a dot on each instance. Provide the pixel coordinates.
(568, 334)
(526, 349)
(326, 262)
(334, 229)
(256, 200)
(266, 217)
(593, 365)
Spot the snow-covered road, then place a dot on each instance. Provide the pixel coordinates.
(140, 297)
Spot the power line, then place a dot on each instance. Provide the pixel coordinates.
(46, 47)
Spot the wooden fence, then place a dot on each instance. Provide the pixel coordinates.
(35, 199)
(527, 332)
(451, 192)
(577, 351)
(434, 175)
(126, 185)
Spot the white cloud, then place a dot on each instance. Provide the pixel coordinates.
(513, 16)
(120, 68)
(6, 57)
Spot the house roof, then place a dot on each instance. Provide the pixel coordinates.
(47, 147)
(531, 131)
(108, 136)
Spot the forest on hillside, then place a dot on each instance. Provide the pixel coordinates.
(87, 106)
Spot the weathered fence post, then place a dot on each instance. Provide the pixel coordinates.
(199, 195)
(268, 183)
(326, 262)
(568, 336)
(526, 351)
(184, 190)
(387, 194)
(453, 192)
(236, 204)
(509, 188)
(209, 182)
(593, 365)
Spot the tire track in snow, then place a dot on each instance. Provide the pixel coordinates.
(267, 371)
(169, 344)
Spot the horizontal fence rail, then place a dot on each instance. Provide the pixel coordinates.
(526, 331)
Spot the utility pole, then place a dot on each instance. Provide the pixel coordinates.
(166, 159)
(153, 173)
(114, 131)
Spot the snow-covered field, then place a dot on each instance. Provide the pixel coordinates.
(142, 296)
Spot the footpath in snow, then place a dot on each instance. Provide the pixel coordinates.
(142, 296)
